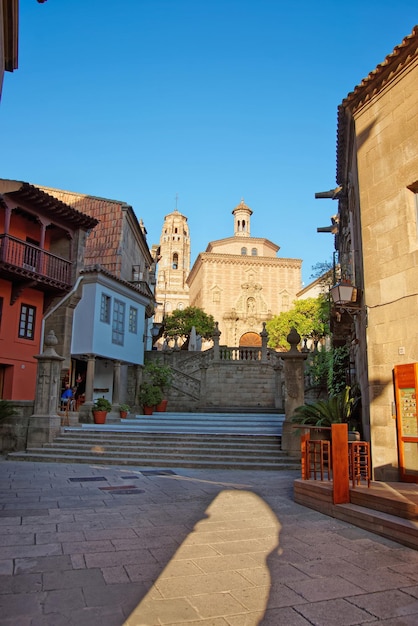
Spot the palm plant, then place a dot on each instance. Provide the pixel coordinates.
(337, 409)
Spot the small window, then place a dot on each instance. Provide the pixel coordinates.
(27, 321)
(244, 251)
(133, 320)
(118, 326)
(175, 261)
(180, 306)
(105, 309)
(254, 252)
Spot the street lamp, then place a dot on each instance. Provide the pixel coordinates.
(343, 293)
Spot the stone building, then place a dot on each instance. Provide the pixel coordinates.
(242, 283)
(172, 291)
(377, 174)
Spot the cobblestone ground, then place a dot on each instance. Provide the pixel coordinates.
(83, 545)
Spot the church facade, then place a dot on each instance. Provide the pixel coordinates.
(242, 282)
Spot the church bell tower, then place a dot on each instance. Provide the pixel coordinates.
(172, 292)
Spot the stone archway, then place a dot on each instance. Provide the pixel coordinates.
(250, 339)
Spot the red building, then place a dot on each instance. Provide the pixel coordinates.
(41, 253)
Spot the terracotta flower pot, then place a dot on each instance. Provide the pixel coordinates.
(99, 417)
(123, 414)
(162, 406)
(148, 410)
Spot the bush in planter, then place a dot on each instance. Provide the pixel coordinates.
(124, 410)
(337, 409)
(101, 404)
(101, 408)
(159, 375)
(150, 395)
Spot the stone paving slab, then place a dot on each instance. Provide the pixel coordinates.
(189, 548)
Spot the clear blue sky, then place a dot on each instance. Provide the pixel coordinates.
(213, 100)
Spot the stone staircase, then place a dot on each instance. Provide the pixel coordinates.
(173, 440)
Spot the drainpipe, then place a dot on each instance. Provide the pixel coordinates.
(45, 317)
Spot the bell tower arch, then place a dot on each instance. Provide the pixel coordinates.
(242, 214)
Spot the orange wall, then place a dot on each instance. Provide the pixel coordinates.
(22, 228)
(20, 377)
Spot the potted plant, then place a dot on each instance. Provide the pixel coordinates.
(336, 409)
(161, 376)
(100, 410)
(149, 396)
(124, 410)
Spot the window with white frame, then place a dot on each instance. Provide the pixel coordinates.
(105, 308)
(118, 323)
(133, 320)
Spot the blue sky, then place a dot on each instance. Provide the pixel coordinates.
(213, 100)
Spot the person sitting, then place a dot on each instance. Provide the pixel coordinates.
(66, 397)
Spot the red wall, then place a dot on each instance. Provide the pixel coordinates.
(17, 353)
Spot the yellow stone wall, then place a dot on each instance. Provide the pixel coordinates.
(386, 129)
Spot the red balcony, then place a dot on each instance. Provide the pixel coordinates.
(20, 260)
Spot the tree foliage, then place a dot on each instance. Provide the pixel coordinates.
(181, 322)
(310, 317)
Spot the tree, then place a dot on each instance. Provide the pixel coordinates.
(181, 322)
(310, 317)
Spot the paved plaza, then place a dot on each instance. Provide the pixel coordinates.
(83, 545)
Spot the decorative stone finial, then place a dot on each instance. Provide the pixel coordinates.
(294, 339)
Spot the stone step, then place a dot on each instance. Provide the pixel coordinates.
(203, 440)
(258, 464)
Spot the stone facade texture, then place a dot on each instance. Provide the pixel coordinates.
(378, 171)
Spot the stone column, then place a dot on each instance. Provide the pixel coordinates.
(116, 385)
(264, 339)
(85, 415)
(45, 424)
(216, 334)
(294, 367)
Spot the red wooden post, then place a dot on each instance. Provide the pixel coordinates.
(339, 447)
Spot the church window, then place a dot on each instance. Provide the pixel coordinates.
(244, 251)
(216, 296)
(175, 261)
(285, 303)
(180, 306)
(243, 224)
(175, 230)
(254, 251)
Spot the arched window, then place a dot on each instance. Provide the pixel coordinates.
(243, 224)
(254, 252)
(244, 251)
(175, 261)
(180, 306)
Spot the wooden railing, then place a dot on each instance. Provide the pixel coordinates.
(26, 257)
(337, 459)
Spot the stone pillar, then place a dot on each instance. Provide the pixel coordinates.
(116, 384)
(294, 367)
(85, 415)
(216, 335)
(264, 339)
(45, 423)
